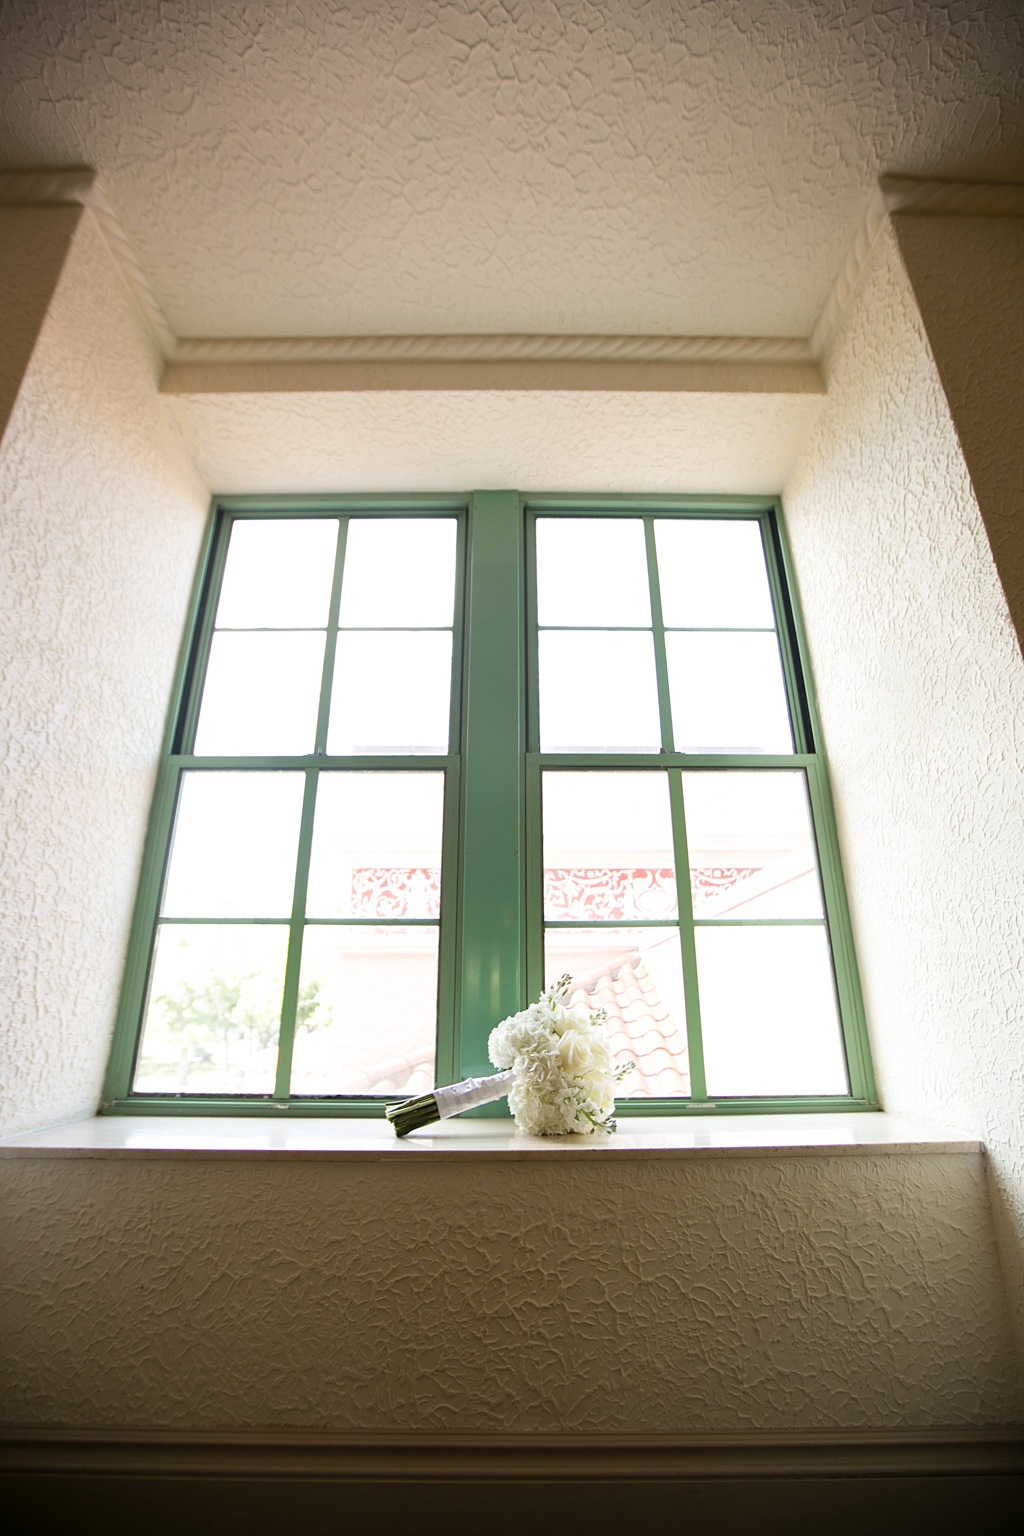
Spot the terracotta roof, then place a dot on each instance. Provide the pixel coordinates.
(640, 1028)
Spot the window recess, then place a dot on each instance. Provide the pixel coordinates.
(429, 755)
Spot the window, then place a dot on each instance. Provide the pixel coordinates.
(429, 754)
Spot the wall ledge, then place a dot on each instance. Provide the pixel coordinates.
(655, 1137)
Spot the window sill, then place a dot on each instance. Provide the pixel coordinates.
(143, 1136)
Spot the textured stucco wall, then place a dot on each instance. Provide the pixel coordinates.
(693, 1294)
(102, 516)
(968, 279)
(921, 688)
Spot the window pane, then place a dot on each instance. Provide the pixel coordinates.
(712, 574)
(261, 696)
(768, 1012)
(392, 693)
(751, 849)
(376, 845)
(398, 571)
(598, 693)
(592, 570)
(608, 847)
(367, 1011)
(637, 975)
(235, 841)
(278, 574)
(214, 1010)
(727, 693)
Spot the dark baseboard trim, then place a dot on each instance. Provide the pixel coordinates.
(306, 1455)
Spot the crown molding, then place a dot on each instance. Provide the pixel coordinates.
(893, 194)
(513, 348)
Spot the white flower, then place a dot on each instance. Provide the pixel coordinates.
(564, 1078)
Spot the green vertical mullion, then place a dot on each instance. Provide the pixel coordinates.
(289, 1002)
(331, 642)
(687, 938)
(491, 911)
(660, 652)
(840, 934)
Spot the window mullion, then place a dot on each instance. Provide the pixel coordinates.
(491, 916)
(290, 999)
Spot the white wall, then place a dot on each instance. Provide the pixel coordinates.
(921, 688)
(102, 518)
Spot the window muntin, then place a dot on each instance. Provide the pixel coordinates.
(664, 933)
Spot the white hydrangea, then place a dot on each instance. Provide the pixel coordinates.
(564, 1076)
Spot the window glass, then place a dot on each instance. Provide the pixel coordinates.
(591, 572)
(608, 847)
(278, 574)
(598, 692)
(399, 572)
(392, 692)
(728, 693)
(213, 1013)
(752, 853)
(235, 842)
(376, 846)
(262, 694)
(712, 574)
(367, 1015)
(768, 1012)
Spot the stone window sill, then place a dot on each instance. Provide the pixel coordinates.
(200, 1137)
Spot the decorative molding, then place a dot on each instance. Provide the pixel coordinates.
(83, 187)
(436, 1457)
(908, 194)
(893, 194)
(493, 349)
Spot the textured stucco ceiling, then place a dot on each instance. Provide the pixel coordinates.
(334, 166)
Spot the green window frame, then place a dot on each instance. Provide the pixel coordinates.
(491, 923)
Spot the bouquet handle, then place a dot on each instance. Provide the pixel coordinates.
(442, 1103)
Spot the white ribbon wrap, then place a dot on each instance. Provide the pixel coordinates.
(471, 1092)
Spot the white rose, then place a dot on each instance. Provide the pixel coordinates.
(575, 1052)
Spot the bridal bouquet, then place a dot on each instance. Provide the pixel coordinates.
(557, 1072)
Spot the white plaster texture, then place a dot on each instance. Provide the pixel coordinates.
(469, 165)
(564, 441)
(102, 519)
(592, 1297)
(921, 688)
(968, 279)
